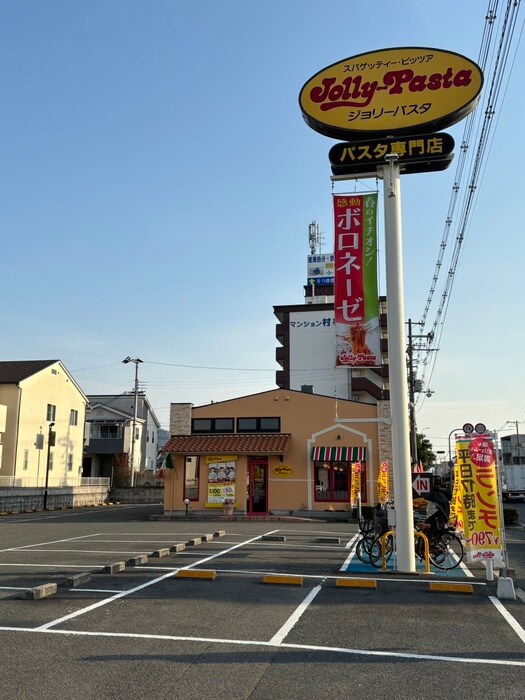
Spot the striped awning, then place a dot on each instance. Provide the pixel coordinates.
(338, 454)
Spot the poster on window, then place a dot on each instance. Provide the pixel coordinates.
(221, 478)
(478, 495)
(355, 287)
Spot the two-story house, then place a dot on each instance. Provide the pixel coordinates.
(116, 434)
(44, 424)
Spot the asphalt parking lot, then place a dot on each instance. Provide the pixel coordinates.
(183, 609)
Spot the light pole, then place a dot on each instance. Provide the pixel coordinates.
(450, 462)
(136, 362)
(51, 435)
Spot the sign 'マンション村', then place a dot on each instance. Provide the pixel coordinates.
(391, 91)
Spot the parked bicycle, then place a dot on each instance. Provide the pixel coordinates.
(445, 548)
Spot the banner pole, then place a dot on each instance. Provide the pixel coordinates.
(397, 366)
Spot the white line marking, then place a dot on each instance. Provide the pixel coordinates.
(42, 544)
(92, 590)
(508, 617)
(350, 543)
(14, 588)
(55, 566)
(82, 551)
(284, 645)
(520, 594)
(170, 574)
(290, 623)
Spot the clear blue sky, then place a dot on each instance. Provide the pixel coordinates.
(157, 181)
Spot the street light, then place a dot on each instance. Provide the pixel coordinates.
(51, 435)
(187, 504)
(136, 361)
(450, 462)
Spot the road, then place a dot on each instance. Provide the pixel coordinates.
(221, 631)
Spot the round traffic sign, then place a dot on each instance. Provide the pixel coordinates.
(468, 428)
(480, 428)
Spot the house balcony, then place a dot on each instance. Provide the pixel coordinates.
(106, 446)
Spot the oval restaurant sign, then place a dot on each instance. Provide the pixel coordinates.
(283, 471)
(392, 91)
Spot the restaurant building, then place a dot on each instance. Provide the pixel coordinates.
(275, 452)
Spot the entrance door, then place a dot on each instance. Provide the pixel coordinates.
(257, 487)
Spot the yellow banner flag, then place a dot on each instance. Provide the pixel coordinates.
(476, 460)
(356, 482)
(382, 483)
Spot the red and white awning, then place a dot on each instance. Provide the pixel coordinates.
(338, 454)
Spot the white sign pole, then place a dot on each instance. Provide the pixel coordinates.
(397, 367)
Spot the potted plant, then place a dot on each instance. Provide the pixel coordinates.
(228, 504)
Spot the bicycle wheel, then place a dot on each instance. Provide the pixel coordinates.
(447, 552)
(363, 548)
(376, 550)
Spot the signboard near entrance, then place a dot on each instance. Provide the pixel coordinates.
(421, 485)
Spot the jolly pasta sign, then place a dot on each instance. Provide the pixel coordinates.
(391, 91)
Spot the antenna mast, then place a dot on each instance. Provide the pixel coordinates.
(314, 238)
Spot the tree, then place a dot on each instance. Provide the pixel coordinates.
(121, 470)
(425, 455)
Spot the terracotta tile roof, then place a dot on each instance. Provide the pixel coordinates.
(268, 443)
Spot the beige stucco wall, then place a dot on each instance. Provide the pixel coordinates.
(26, 417)
(312, 420)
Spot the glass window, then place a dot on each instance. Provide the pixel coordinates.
(212, 425)
(259, 425)
(201, 425)
(73, 417)
(246, 425)
(26, 460)
(51, 413)
(70, 462)
(50, 461)
(191, 478)
(270, 425)
(108, 432)
(332, 481)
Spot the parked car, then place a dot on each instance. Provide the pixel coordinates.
(150, 477)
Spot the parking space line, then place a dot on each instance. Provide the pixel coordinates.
(42, 544)
(284, 645)
(53, 566)
(84, 551)
(154, 581)
(290, 623)
(508, 617)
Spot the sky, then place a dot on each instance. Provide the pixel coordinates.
(157, 181)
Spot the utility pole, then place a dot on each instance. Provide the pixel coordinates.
(412, 386)
(411, 396)
(136, 361)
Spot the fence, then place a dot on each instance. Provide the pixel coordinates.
(57, 482)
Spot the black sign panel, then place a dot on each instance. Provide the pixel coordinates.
(418, 153)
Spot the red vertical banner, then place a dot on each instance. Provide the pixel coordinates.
(356, 298)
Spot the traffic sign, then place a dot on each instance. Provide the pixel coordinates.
(468, 428)
(480, 428)
(421, 484)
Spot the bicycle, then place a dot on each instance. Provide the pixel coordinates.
(445, 549)
(370, 531)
